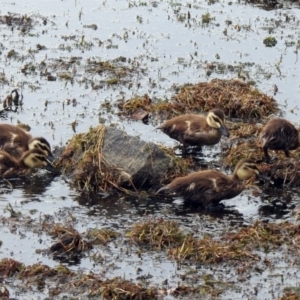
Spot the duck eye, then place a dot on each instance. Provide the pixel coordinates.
(216, 119)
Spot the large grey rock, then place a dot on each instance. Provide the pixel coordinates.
(142, 163)
(107, 157)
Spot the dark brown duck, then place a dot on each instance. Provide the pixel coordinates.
(196, 130)
(209, 187)
(279, 134)
(31, 159)
(16, 141)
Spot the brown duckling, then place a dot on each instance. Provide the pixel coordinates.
(279, 134)
(196, 130)
(209, 187)
(16, 141)
(31, 159)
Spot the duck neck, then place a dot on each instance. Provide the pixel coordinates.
(235, 177)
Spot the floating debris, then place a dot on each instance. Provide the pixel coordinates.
(69, 241)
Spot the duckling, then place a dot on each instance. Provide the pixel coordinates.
(209, 187)
(196, 130)
(279, 134)
(16, 141)
(12, 167)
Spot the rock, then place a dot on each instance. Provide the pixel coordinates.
(107, 157)
(143, 162)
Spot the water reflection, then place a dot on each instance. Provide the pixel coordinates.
(31, 186)
(272, 203)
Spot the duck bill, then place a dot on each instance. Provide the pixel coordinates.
(51, 157)
(224, 131)
(264, 177)
(50, 167)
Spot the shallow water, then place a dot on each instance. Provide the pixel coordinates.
(170, 49)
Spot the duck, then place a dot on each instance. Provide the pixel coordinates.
(208, 187)
(31, 159)
(279, 134)
(196, 130)
(15, 141)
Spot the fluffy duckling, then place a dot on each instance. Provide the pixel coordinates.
(209, 187)
(196, 130)
(16, 141)
(31, 159)
(279, 134)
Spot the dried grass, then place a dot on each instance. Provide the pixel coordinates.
(9, 267)
(237, 98)
(83, 159)
(267, 235)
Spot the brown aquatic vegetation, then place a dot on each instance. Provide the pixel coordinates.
(135, 106)
(61, 279)
(267, 235)
(243, 149)
(8, 267)
(160, 234)
(69, 240)
(101, 236)
(289, 294)
(84, 152)
(233, 246)
(284, 170)
(116, 69)
(208, 251)
(17, 20)
(207, 289)
(118, 288)
(270, 4)
(35, 272)
(237, 98)
(239, 130)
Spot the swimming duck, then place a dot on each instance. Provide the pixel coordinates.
(12, 167)
(209, 187)
(279, 134)
(196, 130)
(16, 141)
